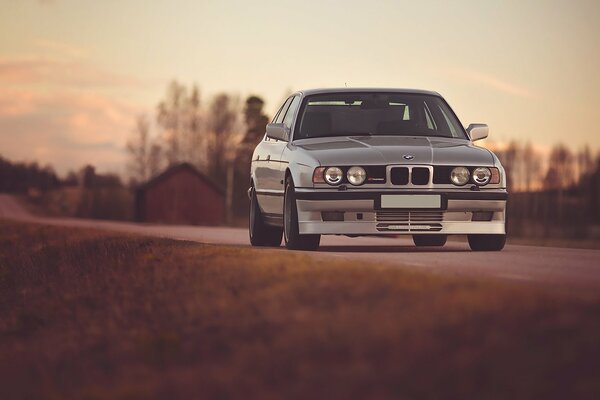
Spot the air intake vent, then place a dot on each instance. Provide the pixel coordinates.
(409, 216)
(409, 221)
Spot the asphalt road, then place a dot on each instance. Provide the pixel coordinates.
(557, 267)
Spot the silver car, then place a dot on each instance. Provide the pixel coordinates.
(362, 162)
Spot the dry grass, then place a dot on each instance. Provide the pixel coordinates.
(90, 315)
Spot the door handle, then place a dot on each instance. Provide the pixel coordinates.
(268, 157)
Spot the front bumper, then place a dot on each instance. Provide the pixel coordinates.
(363, 215)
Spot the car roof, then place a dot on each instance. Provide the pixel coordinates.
(309, 92)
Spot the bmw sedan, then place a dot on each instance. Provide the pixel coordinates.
(362, 162)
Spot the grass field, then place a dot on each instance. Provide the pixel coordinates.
(90, 315)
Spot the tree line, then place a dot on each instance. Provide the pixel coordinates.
(16, 177)
(553, 195)
(528, 169)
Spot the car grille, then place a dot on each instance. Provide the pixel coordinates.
(420, 176)
(409, 221)
(416, 176)
(399, 176)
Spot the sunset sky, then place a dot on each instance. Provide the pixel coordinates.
(74, 74)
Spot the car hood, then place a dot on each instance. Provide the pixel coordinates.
(384, 150)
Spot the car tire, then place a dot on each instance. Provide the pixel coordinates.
(293, 239)
(260, 233)
(430, 240)
(486, 242)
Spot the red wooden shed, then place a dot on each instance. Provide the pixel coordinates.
(180, 195)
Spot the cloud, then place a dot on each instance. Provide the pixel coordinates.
(60, 48)
(66, 130)
(490, 81)
(16, 102)
(59, 108)
(63, 73)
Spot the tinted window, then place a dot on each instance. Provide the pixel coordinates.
(284, 108)
(289, 115)
(344, 114)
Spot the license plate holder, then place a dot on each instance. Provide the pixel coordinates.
(411, 201)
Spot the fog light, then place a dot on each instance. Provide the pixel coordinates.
(332, 215)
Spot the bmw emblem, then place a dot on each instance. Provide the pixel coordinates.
(408, 156)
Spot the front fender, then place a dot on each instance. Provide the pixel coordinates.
(301, 174)
(301, 165)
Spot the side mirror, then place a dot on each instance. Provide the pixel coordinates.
(478, 131)
(277, 131)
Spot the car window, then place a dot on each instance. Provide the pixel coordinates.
(429, 117)
(449, 123)
(278, 112)
(289, 115)
(282, 111)
(373, 113)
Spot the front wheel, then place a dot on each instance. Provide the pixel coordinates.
(293, 239)
(486, 242)
(260, 233)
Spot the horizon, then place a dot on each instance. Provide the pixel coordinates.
(74, 75)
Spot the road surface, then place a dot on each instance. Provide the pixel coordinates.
(558, 267)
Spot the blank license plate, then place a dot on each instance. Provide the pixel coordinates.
(411, 201)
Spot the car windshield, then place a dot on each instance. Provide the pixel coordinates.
(354, 114)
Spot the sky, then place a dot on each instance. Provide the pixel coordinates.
(75, 73)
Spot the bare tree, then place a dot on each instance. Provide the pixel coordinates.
(561, 169)
(585, 164)
(184, 130)
(532, 168)
(171, 118)
(560, 175)
(155, 160)
(195, 130)
(138, 149)
(225, 133)
(509, 158)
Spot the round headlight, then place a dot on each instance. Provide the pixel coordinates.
(334, 175)
(356, 175)
(482, 176)
(460, 176)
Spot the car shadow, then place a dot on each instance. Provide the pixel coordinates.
(390, 249)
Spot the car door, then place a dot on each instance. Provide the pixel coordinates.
(266, 168)
(277, 164)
